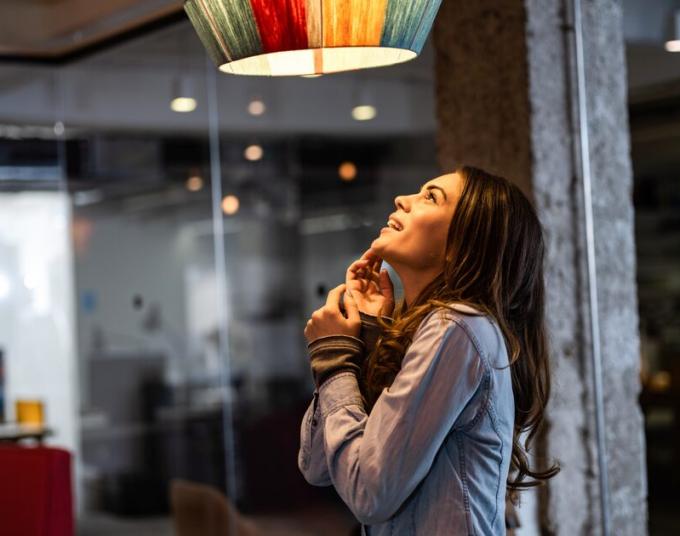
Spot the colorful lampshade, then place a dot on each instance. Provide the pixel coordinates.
(299, 37)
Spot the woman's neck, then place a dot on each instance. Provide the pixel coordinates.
(414, 281)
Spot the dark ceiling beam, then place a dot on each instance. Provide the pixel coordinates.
(78, 52)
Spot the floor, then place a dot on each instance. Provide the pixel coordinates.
(318, 522)
(326, 521)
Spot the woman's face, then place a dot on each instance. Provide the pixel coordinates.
(424, 219)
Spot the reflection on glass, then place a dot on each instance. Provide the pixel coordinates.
(109, 281)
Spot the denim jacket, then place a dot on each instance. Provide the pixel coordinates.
(433, 456)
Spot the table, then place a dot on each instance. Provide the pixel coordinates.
(14, 432)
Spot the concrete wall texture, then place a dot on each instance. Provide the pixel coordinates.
(506, 102)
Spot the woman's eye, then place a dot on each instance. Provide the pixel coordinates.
(430, 195)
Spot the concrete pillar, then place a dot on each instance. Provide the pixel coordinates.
(505, 102)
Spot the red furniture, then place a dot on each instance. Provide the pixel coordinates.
(35, 491)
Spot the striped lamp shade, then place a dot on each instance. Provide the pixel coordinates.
(298, 37)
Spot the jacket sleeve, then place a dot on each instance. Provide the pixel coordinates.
(312, 456)
(375, 462)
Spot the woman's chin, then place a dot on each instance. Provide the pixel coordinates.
(378, 247)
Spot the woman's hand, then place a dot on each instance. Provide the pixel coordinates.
(370, 286)
(329, 320)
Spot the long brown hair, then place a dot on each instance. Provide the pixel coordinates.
(494, 251)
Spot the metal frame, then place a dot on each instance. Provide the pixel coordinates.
(586, 182)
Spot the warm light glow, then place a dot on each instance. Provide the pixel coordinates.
(253, 153)
(194, 183)
(673, 46)
(347, 171)
(256, 107)
(364, 113)
(660, 381)
(81, 231)
(332, 60)
(302, 62)
(183, 104)
(230, 205)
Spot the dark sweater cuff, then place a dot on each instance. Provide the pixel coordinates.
(335, 353)
(371, 330)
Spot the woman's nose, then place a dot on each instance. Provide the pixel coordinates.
(401, 202)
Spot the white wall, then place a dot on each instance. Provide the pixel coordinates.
(37, 325)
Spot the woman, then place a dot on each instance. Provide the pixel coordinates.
(416, 419)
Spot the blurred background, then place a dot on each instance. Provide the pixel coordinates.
(166, 231)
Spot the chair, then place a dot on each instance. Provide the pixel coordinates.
(35, 491)
(200, 510)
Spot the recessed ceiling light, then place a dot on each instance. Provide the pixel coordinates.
(364, 112)
(230, 205)
(347, 171)
(183, 104)
(673, 45)
(673, 33)
(253, 153)
(256, 107)
(183, 95)
(194, 183)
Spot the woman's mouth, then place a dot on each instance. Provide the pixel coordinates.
(394, 225)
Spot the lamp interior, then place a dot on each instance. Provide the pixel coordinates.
(318, 61)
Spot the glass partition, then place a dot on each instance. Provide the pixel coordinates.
(38, 371)
(198, 220)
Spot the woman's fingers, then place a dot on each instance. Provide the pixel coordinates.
(355, 268)
(366, 271)
(357, 265)
(374, 261)
(351, 308)
(333, 299)
(369, 280)
(333, 303)
(386, 285)
(357, 272)
(377, 264)
(368, 258)
(369, 255)
(352, 275)
(362, 267)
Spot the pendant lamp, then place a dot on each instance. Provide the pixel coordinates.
(673, 33)
(303, 37)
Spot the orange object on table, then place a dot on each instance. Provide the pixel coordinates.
(30, 412)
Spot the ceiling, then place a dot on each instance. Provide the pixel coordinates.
(128, 86)
(56, 29)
